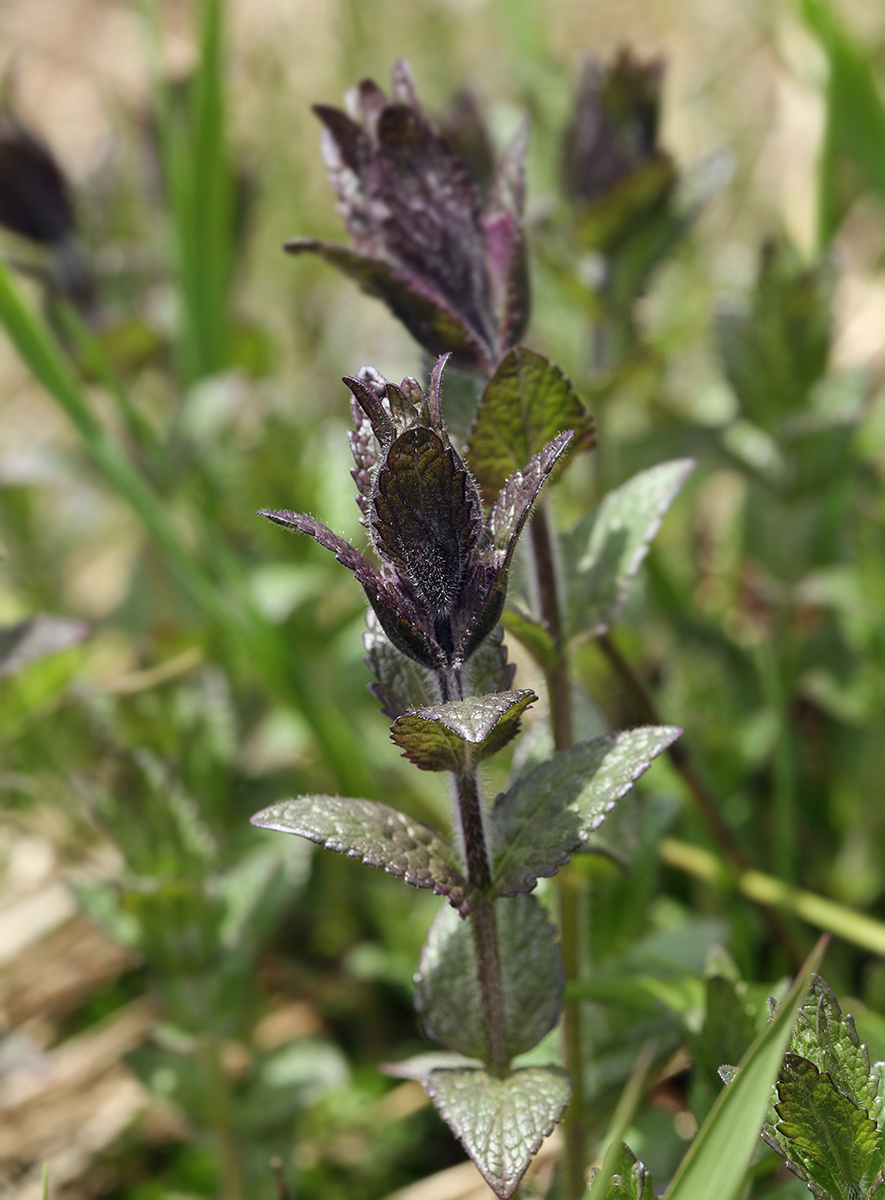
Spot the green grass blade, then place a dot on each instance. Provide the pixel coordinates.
(44, 1193)
(717, 1161)
(844, 922)
(855, 123)
(192, 134)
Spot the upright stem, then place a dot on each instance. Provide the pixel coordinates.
(482, 916)
(570, 895)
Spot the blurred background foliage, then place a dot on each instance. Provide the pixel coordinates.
(168, 665)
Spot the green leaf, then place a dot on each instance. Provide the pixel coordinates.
(375, 833)
(718, 1158)
(774, 354)
(527, 402)
(606, 549)
(828, 1038)
(629, 1178)
(550, 813)
(837, 1144)
(400, 683)
(457, 735)
(447, 991)
(501, 1122)
(725, 1035)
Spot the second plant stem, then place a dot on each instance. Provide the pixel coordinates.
(570, 895)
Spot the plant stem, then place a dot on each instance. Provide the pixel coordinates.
(482, 915)
(569, 892)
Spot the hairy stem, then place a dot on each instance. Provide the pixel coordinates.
(570, 894)
(482, 916)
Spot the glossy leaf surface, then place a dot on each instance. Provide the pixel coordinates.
(451, 737)
(551, 812)
(375, 833)
(501, 1122)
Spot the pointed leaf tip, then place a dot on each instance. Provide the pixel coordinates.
(375, 833)
(450, 737)
(500, 1122)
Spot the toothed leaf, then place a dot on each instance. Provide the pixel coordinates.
(400, 683)
(488, 670)
(501, 1123)
(375, 833)
(454, 736)
(827, 1037)
(526, 403)
(605, 551)
(512, 505)
(836, 1143)
(551, 812)
(447, 990)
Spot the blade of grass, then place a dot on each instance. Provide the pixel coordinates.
(193, 148)
(818, 911)
(855, 122)
(718, 1158)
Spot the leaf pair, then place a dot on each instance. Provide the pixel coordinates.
(534, 828)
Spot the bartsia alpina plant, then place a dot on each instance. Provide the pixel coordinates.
(450, 268)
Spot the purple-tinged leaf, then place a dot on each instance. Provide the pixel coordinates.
(424, 519)
(526, 403)
(447, 989)
(400, 683)
(38, 637)
(514, 501)
(551, 812)
(454, 736)
(501, 1123)
(378, 835)
(603, 554)
(488, 669)
(506, 249)
(430, 319)
(398, 620)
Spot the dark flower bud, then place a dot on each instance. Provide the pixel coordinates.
(452, 269)
(35, 201)
(441, 585)
(614, 127)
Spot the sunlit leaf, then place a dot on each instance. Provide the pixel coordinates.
(375, 833)
(550, 813)
(453, 736)
(501, 1122)
(603, 554)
